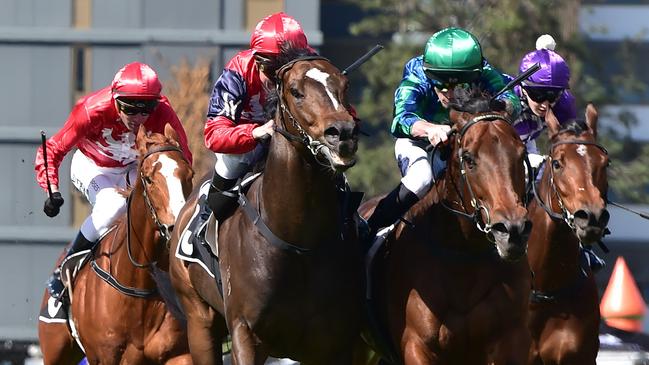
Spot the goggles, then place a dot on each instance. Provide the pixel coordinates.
(448, 79)
(541, 94)
(134, 106)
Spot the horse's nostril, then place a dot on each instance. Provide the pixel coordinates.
(332, 131)
(581, 214)
(604, 218)
(500, 227)
(527, 228)
(170, 228)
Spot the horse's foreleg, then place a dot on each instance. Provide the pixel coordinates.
(514, 348)
(57, 344)
(205, 331)
(245, 350)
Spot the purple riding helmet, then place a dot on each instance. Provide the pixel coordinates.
(554, 71)
(553, 74)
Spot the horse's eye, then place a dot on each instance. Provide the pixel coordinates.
(468, 159)
(556, 165)
(296, 93)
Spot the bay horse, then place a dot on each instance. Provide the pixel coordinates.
(451, 284)
(569, 211)
(296, 291)
(132, 324)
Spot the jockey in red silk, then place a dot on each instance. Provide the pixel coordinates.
(236, 122)
(102, 126)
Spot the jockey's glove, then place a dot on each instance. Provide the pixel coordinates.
(52, 205)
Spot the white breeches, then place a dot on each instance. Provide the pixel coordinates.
(100, 186)
(415, 165)
(234, 166)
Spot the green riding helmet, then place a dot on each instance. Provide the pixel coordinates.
(453, 56)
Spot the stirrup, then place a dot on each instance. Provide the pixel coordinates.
(55, 285)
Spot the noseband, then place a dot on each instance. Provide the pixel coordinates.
(565, 215)
(163, 229)
(477, 205)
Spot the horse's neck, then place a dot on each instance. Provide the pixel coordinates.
(139, 239)
(553, 248)
(448, 229)
(295, 192)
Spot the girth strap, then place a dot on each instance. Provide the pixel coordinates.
(255, 217)
(127, 290)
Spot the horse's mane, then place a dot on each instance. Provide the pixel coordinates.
(287, 54)
(471, 100)
(574, 126)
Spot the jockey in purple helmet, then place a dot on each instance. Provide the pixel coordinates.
(546, 88)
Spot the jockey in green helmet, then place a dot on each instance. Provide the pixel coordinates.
(451, 57)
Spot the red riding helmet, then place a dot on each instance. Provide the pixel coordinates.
(136, 80)
(275, 29)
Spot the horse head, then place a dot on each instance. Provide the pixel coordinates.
(577, 173)
(312, 109)
(165, 177)
(487, 165)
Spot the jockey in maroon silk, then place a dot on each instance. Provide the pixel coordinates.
(103, 126)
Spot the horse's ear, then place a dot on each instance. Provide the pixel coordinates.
(457, 118)
(552, 122)
(140, 139)
(591, 118)
(170, 133)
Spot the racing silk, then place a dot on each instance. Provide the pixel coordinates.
(236, 106)
(415, 98)
(95, 128)
(529, 125)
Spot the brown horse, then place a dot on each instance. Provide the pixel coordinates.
(131, 325)
(569, 210)
(452, 286)
(292, 274)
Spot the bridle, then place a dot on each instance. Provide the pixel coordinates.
(478, 206)
(163, 229)
(565, 215)
(316, 147)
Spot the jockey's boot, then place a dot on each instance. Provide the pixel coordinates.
(220, 200)
(390, 208)
(54, 284)
(591, 259)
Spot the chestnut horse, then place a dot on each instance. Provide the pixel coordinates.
(131, 325)
(569, 211)
(292, 276)
(452, 285)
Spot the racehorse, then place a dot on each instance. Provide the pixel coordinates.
(291, 271)
(126, 321)
(569, 210)
(452, 283)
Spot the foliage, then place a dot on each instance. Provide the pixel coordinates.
(188, 92)
(506, 34)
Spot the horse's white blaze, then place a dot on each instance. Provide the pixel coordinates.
(176, 196)
(581, 150)
(322, 77)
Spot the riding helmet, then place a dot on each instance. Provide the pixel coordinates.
(453, 55)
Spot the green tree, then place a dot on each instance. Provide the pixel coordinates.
(506, 34)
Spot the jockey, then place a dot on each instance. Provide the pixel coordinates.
(547, 88)
(236, 121)
(452, 57)
(103, 126)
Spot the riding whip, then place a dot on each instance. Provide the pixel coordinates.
(518, 79)
(47, 175)
(363, 59)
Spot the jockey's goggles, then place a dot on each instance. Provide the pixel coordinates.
(134, 106)
(447, 80)
(541, 94)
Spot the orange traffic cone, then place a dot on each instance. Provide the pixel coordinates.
(622, 305)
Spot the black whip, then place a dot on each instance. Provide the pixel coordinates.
(363, 59)
(47, 175)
